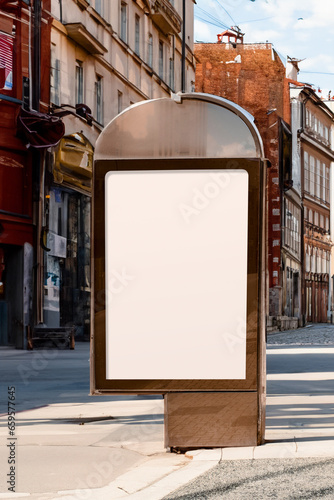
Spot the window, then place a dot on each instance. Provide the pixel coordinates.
(171, 73)
(307, 260)
(321, 128)
(313, 260)
(137, 35)
(316, 122)
(319, 260)
(306, 173)
(306, 213)
(327, 185)
(316, 219)
(316, 127)
(79, 97)
(54, 77)
(124, 22)
(317, 179)
(327, 136)
(98, 6)
(150, 50)
(161, 59)
(312, 175)
(99, 99)
(323, 181)
(119, 101)
(6, 61)
(310, 217)
(292, 225)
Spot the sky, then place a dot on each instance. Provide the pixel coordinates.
(302, 29)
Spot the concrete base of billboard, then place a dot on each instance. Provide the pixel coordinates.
(215, 419)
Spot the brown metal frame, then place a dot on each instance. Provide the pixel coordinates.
(256, 281)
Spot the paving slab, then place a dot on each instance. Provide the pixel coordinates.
(214, 455)
(242, 452)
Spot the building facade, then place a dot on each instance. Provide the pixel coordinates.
(24, 87)
(253, 76)
(296, 128)
(78, 64)
(105, 56)
(312, 123)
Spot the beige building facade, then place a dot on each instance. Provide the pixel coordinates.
(111, 54)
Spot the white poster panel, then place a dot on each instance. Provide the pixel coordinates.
(176, 274)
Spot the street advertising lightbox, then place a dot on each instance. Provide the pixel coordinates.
(178, 265)
(172, 290)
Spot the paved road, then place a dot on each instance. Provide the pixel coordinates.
(47, 376)
(316, 334)
(293, 360)
(310, 363)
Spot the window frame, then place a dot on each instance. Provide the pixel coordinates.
(55, 84)
(161, 59)
(123, 32)
(10, 91)
(317, 178)
(292, 223)
(306, 172)
(99, 10)
(79, 82)
(171, 73)
(119, 101)
(99, 99)
(137, 35)
(312, 176)
(150, 50)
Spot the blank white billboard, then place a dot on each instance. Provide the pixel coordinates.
(176, 274)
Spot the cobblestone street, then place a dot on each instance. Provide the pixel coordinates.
(299, 421)
(313, 334)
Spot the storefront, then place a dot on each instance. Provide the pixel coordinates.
(67, 237)
(16, 250)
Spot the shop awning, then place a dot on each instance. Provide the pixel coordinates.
(40, 130)
(12, 5)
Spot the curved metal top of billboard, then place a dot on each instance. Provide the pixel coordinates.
(191, 125)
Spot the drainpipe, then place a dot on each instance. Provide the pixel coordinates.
(61, 11)
(304, 312)
(38, 162)
(183, 61)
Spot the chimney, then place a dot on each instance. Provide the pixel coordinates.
(232, 36)
(292, 68)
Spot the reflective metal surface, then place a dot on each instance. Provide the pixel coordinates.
(188, 126)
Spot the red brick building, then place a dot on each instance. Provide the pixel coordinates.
(24, 85)
(253, 76)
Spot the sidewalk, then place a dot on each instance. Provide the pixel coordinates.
(82, 447)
